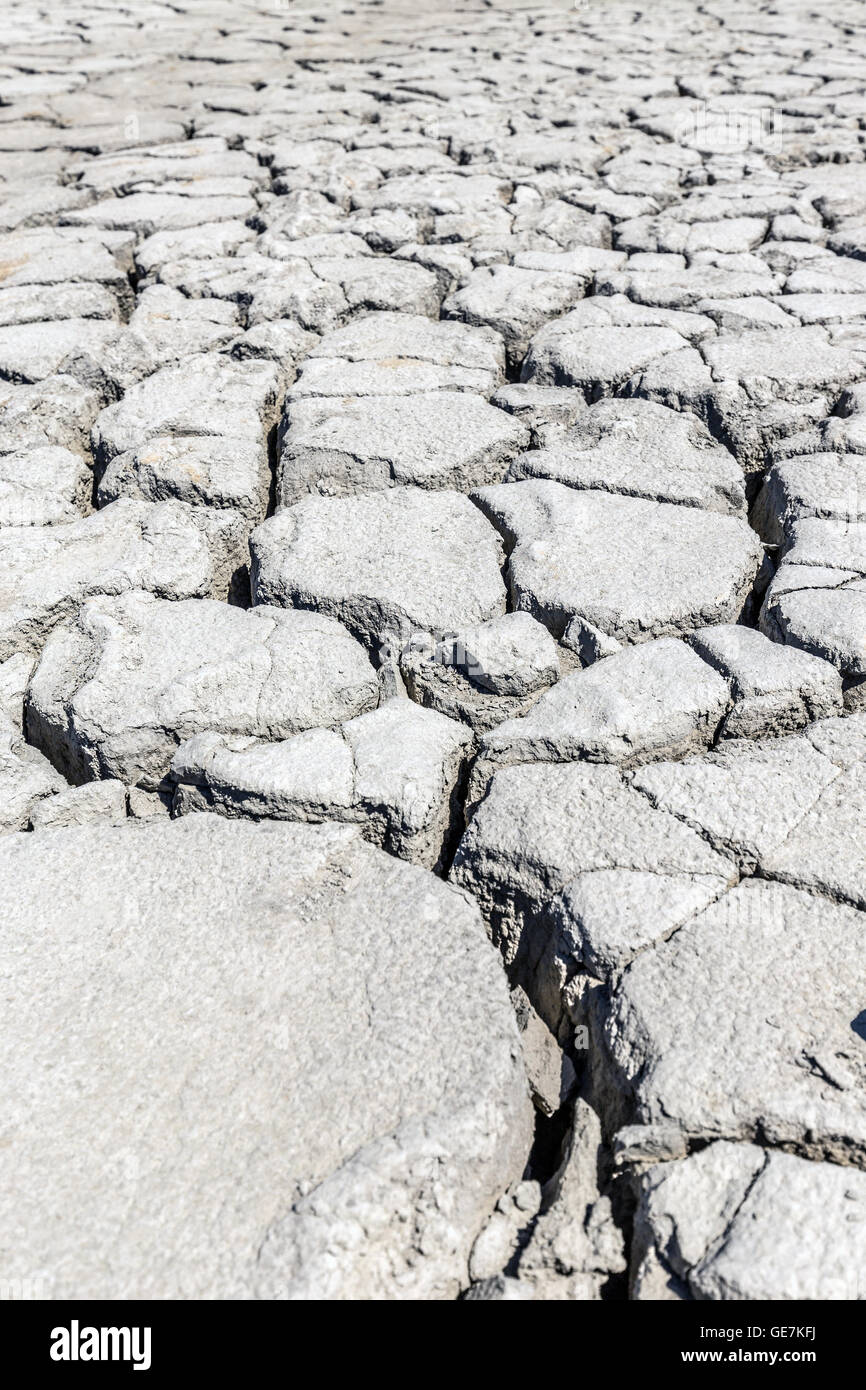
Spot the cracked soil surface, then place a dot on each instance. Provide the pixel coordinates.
(433, 650)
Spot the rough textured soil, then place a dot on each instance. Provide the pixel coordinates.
(433, 650)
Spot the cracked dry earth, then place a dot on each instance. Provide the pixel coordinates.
(433, 641)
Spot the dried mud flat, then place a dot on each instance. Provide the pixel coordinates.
(433, 651)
